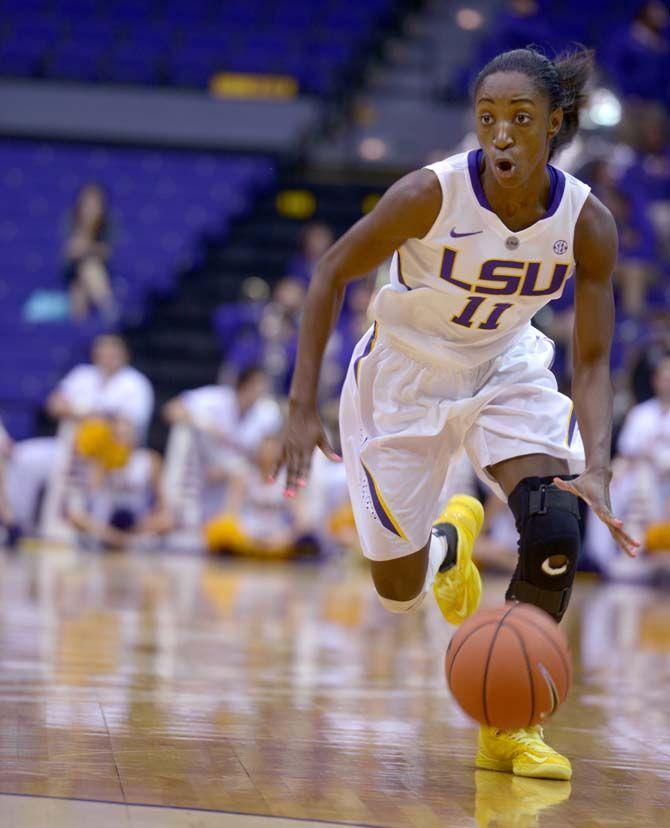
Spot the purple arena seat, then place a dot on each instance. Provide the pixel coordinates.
(160, 205)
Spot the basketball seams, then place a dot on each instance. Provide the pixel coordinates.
(522, 644)
(488, 661)
(480, 657)
(564, 661)
(461, 644)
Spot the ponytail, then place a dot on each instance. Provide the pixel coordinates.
(574, 71)
(562, 81)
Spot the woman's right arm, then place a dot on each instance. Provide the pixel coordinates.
(407, 210)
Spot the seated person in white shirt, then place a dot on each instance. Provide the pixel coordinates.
(257, 520)
(640, 487)
(11, 531)
(118, 495)
(227, 423)
(108, 387)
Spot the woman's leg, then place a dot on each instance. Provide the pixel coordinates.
(393, 489)
(78, 300)
(395, 479)
(401, 579)
(548, 522)
(92, 275)
(510, 472)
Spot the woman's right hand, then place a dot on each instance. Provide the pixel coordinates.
(303, 432)
(77, 246)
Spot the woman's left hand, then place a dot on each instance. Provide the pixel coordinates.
(593, 488)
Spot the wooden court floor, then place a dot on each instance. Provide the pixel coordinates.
(169, 691)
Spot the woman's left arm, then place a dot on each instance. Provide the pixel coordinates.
(595, 247)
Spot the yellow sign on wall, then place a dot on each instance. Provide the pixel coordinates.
(237, 85)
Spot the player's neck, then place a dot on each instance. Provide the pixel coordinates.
(519, 207)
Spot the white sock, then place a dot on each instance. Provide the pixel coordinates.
(436, 555)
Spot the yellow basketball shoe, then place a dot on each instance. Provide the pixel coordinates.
(522, 752)
(458, 589)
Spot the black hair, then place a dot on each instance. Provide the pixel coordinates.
(247, 374)
(100, 229)
(561, 81)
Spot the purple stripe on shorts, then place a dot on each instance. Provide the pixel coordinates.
(366, 350)
(571, 425)
(379, 509)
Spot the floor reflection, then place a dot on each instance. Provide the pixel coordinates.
(287, 690)
(504, 800)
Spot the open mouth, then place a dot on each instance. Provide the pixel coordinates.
(504, 166)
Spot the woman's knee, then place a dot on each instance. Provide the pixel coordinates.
(400, 579)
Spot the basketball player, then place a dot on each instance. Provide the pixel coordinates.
(480, 242)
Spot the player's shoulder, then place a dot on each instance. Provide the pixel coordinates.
(428, 191)
(595, 215)
(428, 179)
(451, 172)
(451, 164)
(596, 237)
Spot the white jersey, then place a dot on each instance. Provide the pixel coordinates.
(126, 393)
(467, 290)
(216, 406)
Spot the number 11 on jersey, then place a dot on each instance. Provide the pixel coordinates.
(464, 318)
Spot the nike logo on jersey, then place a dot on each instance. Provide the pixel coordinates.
(455, 235)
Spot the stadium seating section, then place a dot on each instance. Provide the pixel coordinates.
(152, 42)
(160, 206)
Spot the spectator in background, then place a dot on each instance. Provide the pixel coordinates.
(649, 172)
(636, 269)
(517, 24)
(257, 520)
(228, 423)
(636, 266)
(255, 331)
(655, 345)
(352, 324)
(637, 58)
(6, 511)
(86, 252)
(109, 387)
(315, 239)
(272, 341)
(119, 497)
(640, 488)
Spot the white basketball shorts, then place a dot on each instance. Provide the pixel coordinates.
(402, 421)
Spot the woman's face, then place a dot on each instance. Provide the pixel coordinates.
(91, 203)
(514, 126)
(109, 354)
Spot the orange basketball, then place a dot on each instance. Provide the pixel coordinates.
(509, 667)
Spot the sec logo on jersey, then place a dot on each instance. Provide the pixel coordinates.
(560, 247)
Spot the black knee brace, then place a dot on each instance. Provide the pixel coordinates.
(548, 523)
